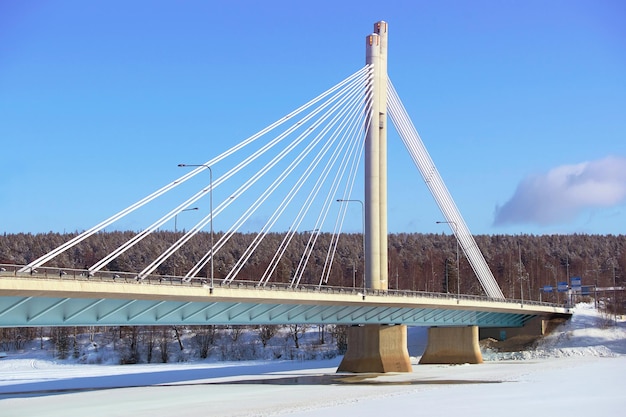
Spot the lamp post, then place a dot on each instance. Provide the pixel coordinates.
(340, 200)
(522, 276)
(614, 291)
(458, 269)
(614, 296)
(210, 208)
(595, 289)
(556, 283)
(176, 216)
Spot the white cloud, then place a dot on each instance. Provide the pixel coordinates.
(564, 192)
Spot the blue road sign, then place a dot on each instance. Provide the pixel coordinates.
(562, 287)
(547, 288)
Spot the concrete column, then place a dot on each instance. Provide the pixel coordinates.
(372, 172)
(376, 348)
(452, 345)
(381, 28)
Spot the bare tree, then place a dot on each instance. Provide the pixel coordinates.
(164, 339)
(61, 339)
(149, 340)
(266, 332)
(296, 331)
(340, 334)
(235, 332)
(204, 339)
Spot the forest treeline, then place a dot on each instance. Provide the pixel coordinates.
(522, 264)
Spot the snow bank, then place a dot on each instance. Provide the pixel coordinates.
(588, 333)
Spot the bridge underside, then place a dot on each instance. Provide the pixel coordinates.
(25, 311)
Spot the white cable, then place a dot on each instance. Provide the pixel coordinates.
(444, 200)
(77, 239)
(287, 239)
(331, 196)
(252, 247)
(357, 152)
(253, 208)
(347, 193)
(194, 230)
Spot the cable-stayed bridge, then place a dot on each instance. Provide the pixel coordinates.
(65, 297)
(297, 175)
(291, 179)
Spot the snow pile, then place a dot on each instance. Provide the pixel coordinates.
(588, 333)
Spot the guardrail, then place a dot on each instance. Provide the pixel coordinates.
(129, 277)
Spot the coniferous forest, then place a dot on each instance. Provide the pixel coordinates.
(522, 264)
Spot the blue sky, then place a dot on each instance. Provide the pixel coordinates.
(522, 104)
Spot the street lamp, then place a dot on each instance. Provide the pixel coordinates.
(614, 291)
(556, 283)
(341, 200)
(176, 216)
(595, 290)
(210, 208)
(458, 270)
(521, 275)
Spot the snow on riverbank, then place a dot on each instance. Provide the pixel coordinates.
(588, 333)
(578, 370)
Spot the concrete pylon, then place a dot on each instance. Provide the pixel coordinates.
(376, 348)
(452, 345)
(376, 271)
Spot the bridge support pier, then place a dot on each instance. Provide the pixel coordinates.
(376, 348)
(452, 345)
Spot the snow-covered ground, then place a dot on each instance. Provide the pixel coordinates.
(577, 371)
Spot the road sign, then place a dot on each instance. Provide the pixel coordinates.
(562, 287)
(576, 283)
(547, 288)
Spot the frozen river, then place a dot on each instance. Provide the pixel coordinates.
(576, 372)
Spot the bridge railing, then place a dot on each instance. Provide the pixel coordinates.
(104, 276)
(129, 277)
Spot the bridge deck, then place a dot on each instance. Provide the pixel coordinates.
(30, 300)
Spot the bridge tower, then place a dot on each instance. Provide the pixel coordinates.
(376, 348)
(376, 270)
